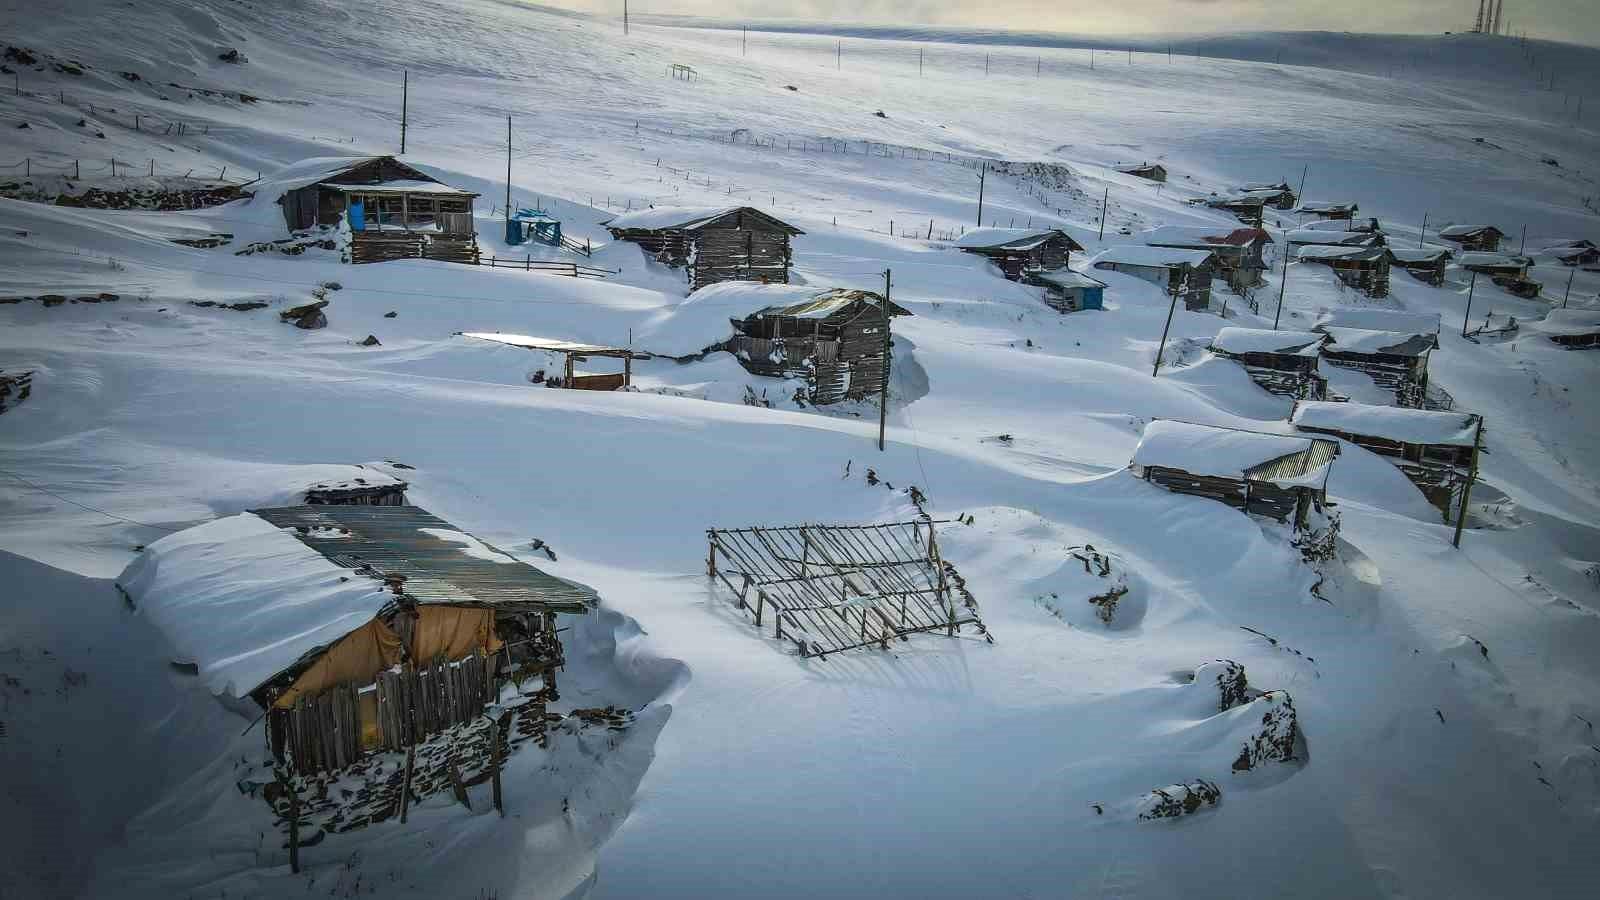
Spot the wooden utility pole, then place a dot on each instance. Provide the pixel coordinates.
(1424, 232)
(624, 16)
(888, 349)
(508, 172)
(744, 41)
(1471, 286)
(405, 102)
(838, 54)
(1570, 275)
(986, 65)
(1466, 492)
(1303, 170)
(1524, 245)
(1105, 200)
(1283, 284)
(1183, 287)
(981, 175)
(919, 62)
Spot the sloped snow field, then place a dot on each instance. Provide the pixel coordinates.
(1446, 698)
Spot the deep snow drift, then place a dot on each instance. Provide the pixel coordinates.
(1442, 700)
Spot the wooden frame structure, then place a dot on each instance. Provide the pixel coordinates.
(572, 352)
(831, 588)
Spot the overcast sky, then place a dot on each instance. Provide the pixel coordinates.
(1575, 21)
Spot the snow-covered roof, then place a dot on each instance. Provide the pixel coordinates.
(1367, 225)
(1279, 186)
(1243, 198)
(405, 186)
(1364, 340)
(1489, 260)
(1066, 278)
(825, 303)
(1569, 321)
(1329, 237)
(1319, 206)
(1450, 231)
(306, 172)
(1419, 254)
(1263, 340)
(1410, 426)
(1338, 251)
(245, 600)
(1283, 460)
(1203, 236)
(703, 318)
(554, 345)
(1153, 257)
(1379, 320)
(684, 217)
(1569, 252)
(1571, 242)
(1007, 238)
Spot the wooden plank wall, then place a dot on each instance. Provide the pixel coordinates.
(724, 254)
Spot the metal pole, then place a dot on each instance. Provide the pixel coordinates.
(1104, 201)
(1165, 328)
(1303, 170)
(1573, 274)
(1424, 231)
(1472, 285)
(508, 171)
(888, 344)
(1466, 493)
(1283, 283)
(624, 16)
(405, 98)
(981, 175)
(1524, 245)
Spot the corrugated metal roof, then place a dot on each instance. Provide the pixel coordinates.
(396, 541)
(1309, 466)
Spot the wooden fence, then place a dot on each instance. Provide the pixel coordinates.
(529, 264)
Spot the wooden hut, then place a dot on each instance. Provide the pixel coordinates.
(1283, 477)
(1395, 361)
(1368, 225)
(1279, 195)
(360, 630)
(1147, 170)
(1240, 252)
(1508, 271)
(1180, 273)
(1473, 237)
(1281, 362)
(1574, 253)
(394, 211)
(1325, 237)
(1248, 208)
(1068, 291)
(1438, 451)
(712, 244)
(1330, 210)
(1364, 268)
(834, 339)
(1572, 328)
(571, 353)
(1425, 264)
(1019, 250)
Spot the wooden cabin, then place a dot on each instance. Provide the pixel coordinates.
(1019, 250)
(1279, 195)
(1281, 362)
(1364, 268)
(1248, 208)
(1068, 291)
(1572, 328)
(712, 244)
(1330, 210)
(1425, 264)
(1376, 319)
(1325, 237)
(1368, 225)
(376, 640)
(1473, 237)
(1395, 361)
(393, 211)
(571, 353)
(1574, 253)
(1180, 273)
(1438, 451)
(1148, 171)
(1282, 477)
(834, 339)
(1240, 252)
(1506, 270)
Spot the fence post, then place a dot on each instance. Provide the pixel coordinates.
(135, 121)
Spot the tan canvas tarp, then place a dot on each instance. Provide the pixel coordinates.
(452, 631)
(357, 657)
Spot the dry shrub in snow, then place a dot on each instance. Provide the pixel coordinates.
(1275, 740)
(1176, 800)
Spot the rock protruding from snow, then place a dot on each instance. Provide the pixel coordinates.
(1178, 800)
(1275, 740)
(1233, 688)
(308, 315)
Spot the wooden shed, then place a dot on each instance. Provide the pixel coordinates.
(1327, 237)
(712, 244)
(1279, 194)
(1395, 361)
(1019, 250)
(1248, 208)
(1473, 237)
(394, 211)
(1282, 477)
(1180, 273)
(1425, 264)
(1364, 268)
(1147, 170)
(1281, 362)
(1506, 270)
(1438, 451)
(571, 353)
(1240, 252)
(1574, 256)
(834, 339)
(1068, 291)
(1330, 209)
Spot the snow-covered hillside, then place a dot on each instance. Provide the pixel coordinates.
(1445, 698)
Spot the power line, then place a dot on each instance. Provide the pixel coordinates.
(85, 506)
